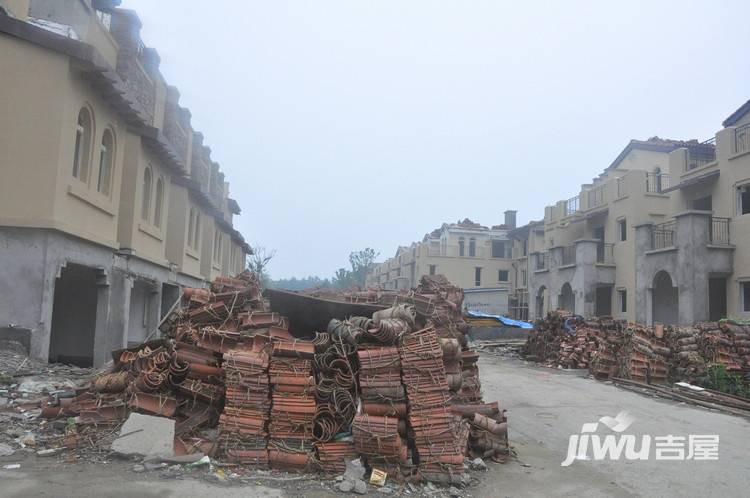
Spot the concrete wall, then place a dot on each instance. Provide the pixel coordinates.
(494, 301)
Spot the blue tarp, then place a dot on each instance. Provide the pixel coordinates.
(502, 319)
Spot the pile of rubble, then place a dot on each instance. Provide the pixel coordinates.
(400, 389)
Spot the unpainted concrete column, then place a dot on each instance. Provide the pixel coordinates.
(691, 239)
(585, 279)
(101, 342)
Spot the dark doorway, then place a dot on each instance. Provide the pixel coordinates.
(540, 304)
(603, 303)
(703, 204)
(567, 298)
(74, 316)
(169, 295)
(141, 307)
(717, 298)
(664, 299)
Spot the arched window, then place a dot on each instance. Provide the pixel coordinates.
(146, 202)
(461, 243)
(472, 247)
(191, 227)
(106, 160)
(82, 145)
(158, 202)
(197, 239)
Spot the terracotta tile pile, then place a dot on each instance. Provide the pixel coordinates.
(440, 437)
(400, 388)
(716, 344)
(290, 430)
(242, 425)
(643, 356)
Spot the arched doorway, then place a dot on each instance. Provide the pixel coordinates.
(567, 298)
(541, 301)
(664, 299)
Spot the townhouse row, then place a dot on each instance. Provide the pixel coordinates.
(110, 202)
(661, 236)
(472, 256)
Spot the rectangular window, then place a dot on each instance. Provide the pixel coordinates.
(477, 276)
(502, 275)
(523, 278)
(623, 228)
(743, 198)
(745, 288)
(433, 269)
(498, 249)
(623, 300)
(525, 247)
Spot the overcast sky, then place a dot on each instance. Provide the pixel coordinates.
(347, 124)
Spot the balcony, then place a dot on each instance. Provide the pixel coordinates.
(701, 154)
(662, 235)
(656, 183)
(718, 232)
(742, 139)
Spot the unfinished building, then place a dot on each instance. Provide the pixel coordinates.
(110, 201)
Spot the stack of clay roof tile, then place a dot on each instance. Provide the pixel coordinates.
(242, 425)
(292, 404)
(440, 437)
(687, 363)
(717, 346)
(643, 356)
(332, 456)
(382, 442)
(740, 335)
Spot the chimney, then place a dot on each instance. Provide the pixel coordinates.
(510, 219)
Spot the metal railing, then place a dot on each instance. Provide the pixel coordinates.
(605, 253)
(596, 197)
(742, 138)
(719, 231)
(700, 155)
(657, 182)
(568, 255)
(662, 235)
(540, 261)
(572, 205)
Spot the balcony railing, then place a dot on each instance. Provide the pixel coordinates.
(742, 138)
(657, 182)
(719, 231)
(605, 253)
(596, 196)
(700, 155)
(572, 205)
(662, 235)
(540, 261)
(568, 255)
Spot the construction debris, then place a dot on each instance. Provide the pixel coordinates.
(399, 388)
(613, 349)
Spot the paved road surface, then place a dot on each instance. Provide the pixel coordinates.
(545, 407)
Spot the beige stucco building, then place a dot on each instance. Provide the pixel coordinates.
(109, 200)
(662, 235)
(474, 257)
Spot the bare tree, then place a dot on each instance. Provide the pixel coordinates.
(258, 262)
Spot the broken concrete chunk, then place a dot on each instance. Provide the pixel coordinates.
(145, 435)
(354, 469)
(346, 486)
(360, 487)
(478, 464)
